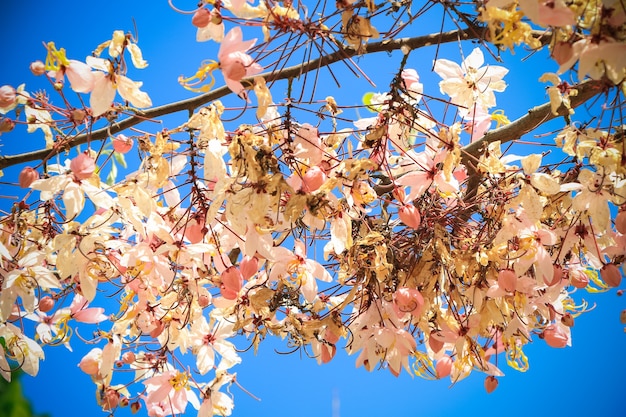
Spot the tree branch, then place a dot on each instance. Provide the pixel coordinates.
(191, 104)
(533, 119)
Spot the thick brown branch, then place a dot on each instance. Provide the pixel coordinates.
(516, 129)
(195, 102)
(530, 121)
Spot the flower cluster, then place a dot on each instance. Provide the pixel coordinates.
(394, 235)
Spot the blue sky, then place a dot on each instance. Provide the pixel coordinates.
(586, 378)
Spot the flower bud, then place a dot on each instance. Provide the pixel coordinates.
(491, 383)
(110, 399)
(46, 304)
(78, 116)
(507, 280)
(611, 275)
(37, 68)
(6, 125)
(567, 320)
(204, 300)
(555, 336)
(201, 18)
(578, 278)
(8, 97)
(444, 367)
(83, 166)
(435, 344)
(134, 407)
(410, 215)
(90, 363)
(313, 179)
(122, 143)
(128, 357)
(622, 317)
(407, 300)
(27, 177)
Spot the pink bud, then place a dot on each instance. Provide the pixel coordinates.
(7, 96)
(555, 336)
(578, 278)
(204, 300)
(410, 215)
(195, 231)
(27, 176)
(232, 281)
(611, 274)
(135, 407)
(46, 304)
(122, 144)
(6, 125)
(201, 18)
(83, 166)
(507, 280)
(128, 357)
(37, 68)
(435, 344)
(620, 222)
(444, 366)
(491, 383)
(407, 300)
(90, 363)
(110, 399)
(313, 179)
(81, 77)
(249, 266)
(567, 320)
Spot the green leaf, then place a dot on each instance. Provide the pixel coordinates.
(367, 100)
(112, 174)
(119, 157)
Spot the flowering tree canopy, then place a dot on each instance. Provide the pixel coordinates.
(424, 238)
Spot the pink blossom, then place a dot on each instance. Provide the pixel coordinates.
(470, 82)
(249, 266)
(234, 61)
(83, 166)
(81, 313)
(507, 280)
(81, 77)
(548, 12)
(555, 336)
(122, 143)
(410, 215)
(479, 121)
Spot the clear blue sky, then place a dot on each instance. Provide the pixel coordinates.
(584, 379)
